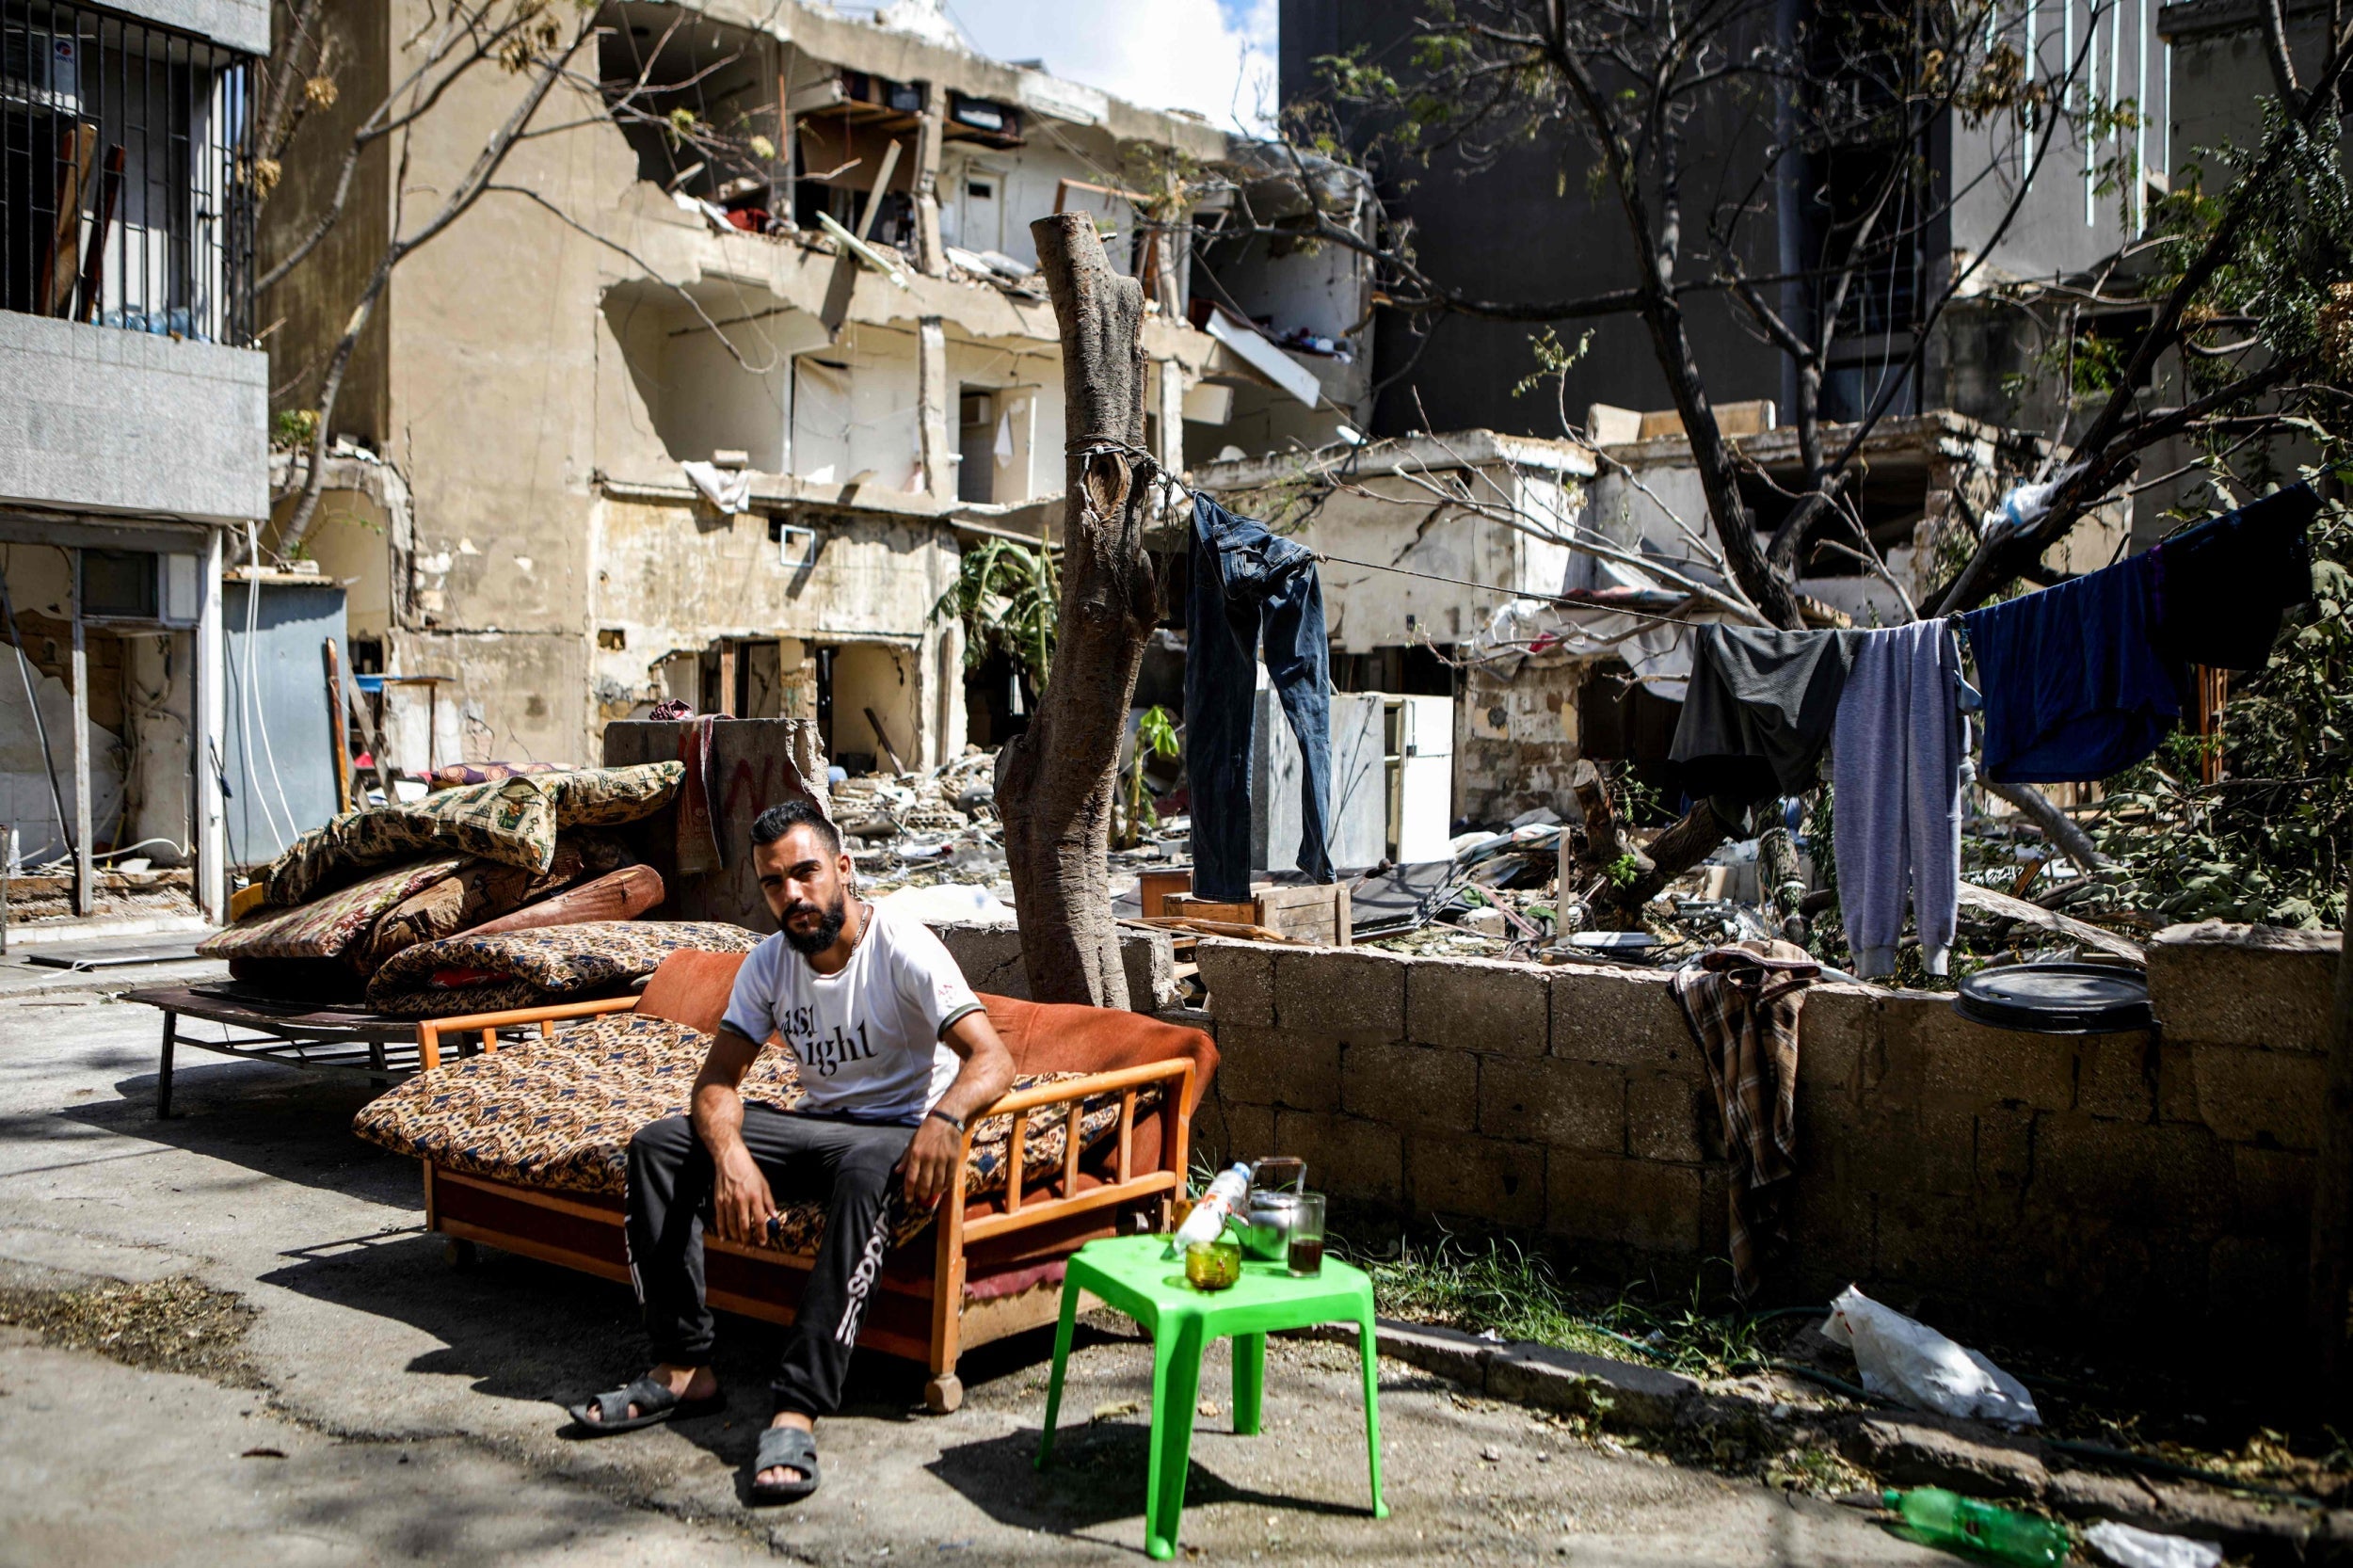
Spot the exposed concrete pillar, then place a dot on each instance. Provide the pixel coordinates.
(1168, 410)
(949, 726)
(84, 885)
(206, 736)
(931, 256)
(934, 395)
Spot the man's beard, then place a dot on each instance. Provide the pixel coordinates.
(828, 925)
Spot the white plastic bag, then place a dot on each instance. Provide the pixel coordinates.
(2128, 1547)
(1902, 1359)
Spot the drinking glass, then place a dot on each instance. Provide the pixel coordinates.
(1306, 1236)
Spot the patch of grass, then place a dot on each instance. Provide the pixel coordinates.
(1503, 1290)
(169, 1325)
(1500, 1288)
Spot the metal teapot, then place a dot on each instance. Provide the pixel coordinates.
(1264, 1223)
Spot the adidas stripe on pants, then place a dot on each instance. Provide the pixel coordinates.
(846, 1165)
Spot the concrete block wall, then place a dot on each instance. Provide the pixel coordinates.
(2143, 1181)
(1471, 1088)
(990, 957)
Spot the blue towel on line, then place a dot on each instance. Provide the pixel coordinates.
(2074, 686)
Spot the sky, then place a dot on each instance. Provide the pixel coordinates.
(1215, 56)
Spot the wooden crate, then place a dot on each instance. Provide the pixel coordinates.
(1190, 907)
(1312, 914)
(1154, 888)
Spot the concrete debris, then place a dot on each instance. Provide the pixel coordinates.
(950, 902)
(880, 806)
(928, 830)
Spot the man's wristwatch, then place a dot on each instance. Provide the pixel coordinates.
(956, 1122)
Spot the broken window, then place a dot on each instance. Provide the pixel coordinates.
(707, 389)
(821, 421)
(1892, 500)
(976, 441)
(697, 101)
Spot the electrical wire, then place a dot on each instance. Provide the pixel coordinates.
(173, 844)
(253, 668)
(248, 699)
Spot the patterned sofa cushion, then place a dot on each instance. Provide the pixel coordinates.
(513, 821)
(458, 775)
(607, 797)
(558, 1115)
(482, 890)
(327, 927)
(471, 973)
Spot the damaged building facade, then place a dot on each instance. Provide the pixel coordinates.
(654, 422)
(1550, 586)
(133, 445)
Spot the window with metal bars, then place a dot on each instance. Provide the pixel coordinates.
(123, 195)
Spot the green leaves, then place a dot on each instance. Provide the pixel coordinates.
(1008, 595)
(2269, 842)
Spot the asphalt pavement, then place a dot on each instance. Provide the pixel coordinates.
(400, 1411)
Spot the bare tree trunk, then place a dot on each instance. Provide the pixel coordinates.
(1054, 780)
(1672, 853)
(2330, 1301)
(547, 73)
(2063, 831)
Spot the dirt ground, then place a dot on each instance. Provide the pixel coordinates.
(337, 1394)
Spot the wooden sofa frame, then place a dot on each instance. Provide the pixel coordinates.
(926, 1319)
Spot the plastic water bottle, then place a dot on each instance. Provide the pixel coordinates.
(1945, 1518)
(1206, 1222)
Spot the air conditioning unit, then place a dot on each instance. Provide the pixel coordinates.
(140, 587)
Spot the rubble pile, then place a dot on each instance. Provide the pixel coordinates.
(925, 829)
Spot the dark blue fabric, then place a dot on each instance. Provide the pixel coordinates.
(2074, 686)
(2225, 582)
(1248, 584)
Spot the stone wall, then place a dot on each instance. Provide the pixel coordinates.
(2138, 1183)
(1515, 740)
(990, 957)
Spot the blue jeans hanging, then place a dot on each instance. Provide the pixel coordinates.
(1248, 585)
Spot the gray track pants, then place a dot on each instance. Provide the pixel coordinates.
(846, 1164)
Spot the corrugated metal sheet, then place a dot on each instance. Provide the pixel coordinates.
(278, 767)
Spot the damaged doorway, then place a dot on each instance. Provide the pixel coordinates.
(976, 445)
(861, 694)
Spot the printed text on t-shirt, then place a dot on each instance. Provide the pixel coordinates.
(823, 1053)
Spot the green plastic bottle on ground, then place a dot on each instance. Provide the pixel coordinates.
(1945, 1518)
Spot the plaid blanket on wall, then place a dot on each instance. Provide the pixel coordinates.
(1742, 1004)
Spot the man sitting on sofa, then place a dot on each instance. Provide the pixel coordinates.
(895, 1053)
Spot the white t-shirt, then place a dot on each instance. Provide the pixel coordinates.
(868, 1038)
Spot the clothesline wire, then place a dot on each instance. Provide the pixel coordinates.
(1554, 600)
(1094, 444)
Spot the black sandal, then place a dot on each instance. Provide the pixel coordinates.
(654, 1402)
(793, 1450)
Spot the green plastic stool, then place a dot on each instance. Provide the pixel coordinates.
(1139, 1276)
